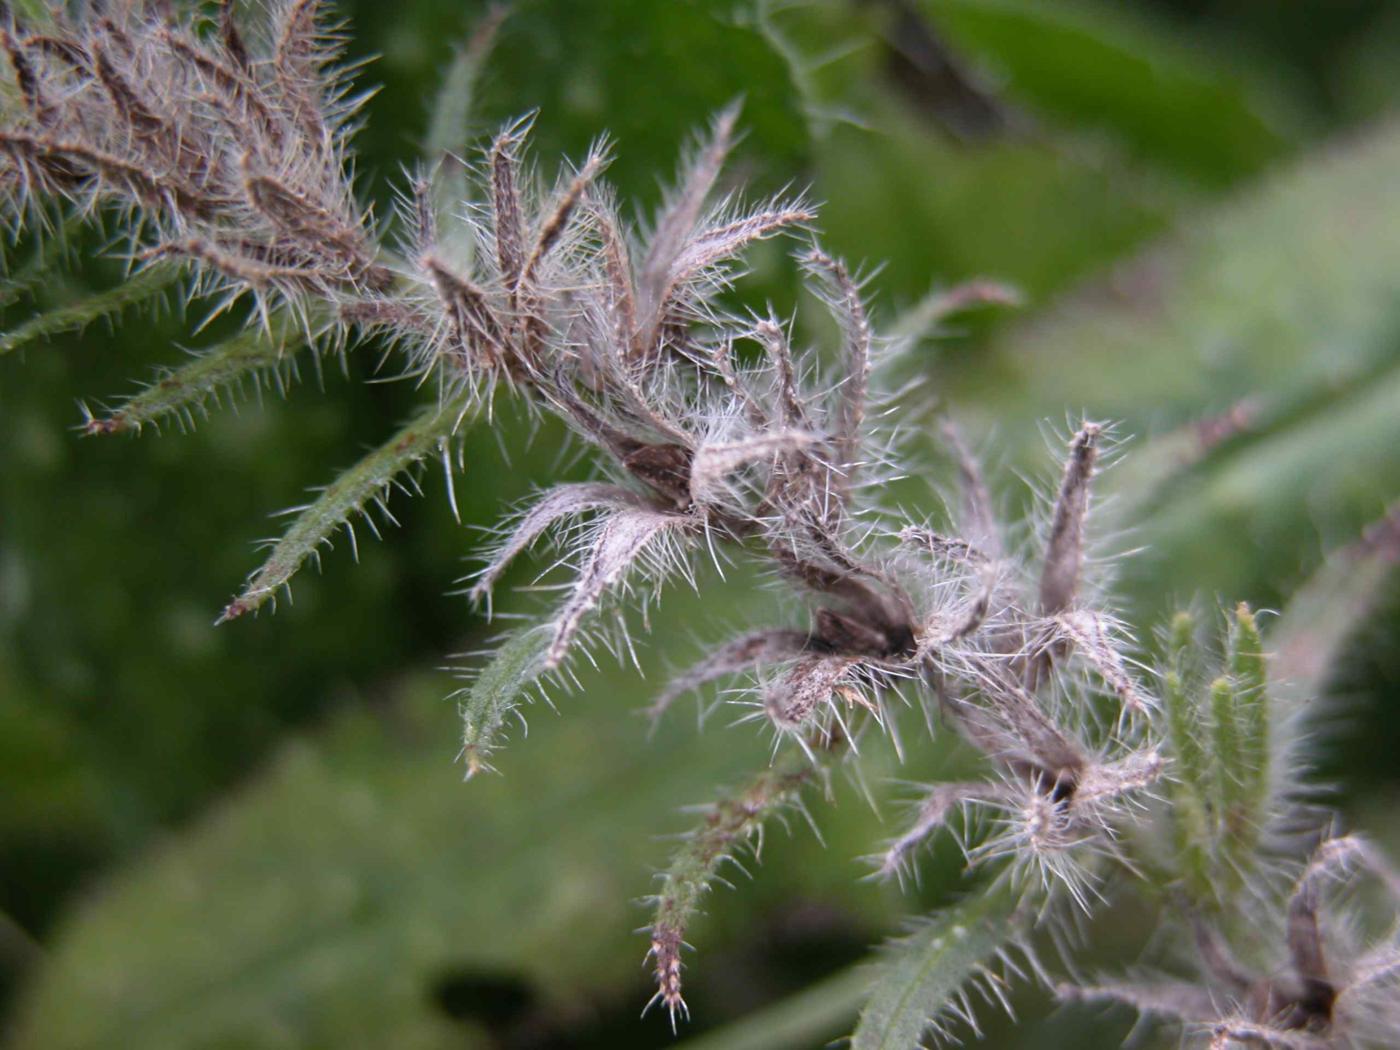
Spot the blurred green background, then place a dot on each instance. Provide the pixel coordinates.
(255, 835)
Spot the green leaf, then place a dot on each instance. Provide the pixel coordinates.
(596, 67)
(252, 354)
(1182, 715)
(1109, 69)
(450, 131)
(38, 13)
(450, 120)
(1227, 758)
(1240, 753)
(369, 480)
(1076, 180)
(1329, 471)
(1258, 295)
(798, 1022)
(1190, 787)
(1249, 674)
(324, 902)
(589, 69)
(71, 317)
(1259, 299)
(1330, 606)
(1221, 741)
(1087, 79)
(925, 972)
(496, 693)
(972, 207)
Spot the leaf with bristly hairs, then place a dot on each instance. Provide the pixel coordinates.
(496, 693)
(1189, 789)
(252, 354)
(449, 122)
(74, 316)
(923, 977)
(368, 480)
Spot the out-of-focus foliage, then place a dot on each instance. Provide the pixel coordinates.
(1171, 106)
(255, 835)
(1275, 315)
(409, 884)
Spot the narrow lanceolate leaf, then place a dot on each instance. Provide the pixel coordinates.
(251, 354)
(1183, 714)
(804, 1019)
(1238, 819)
(1326, 610)
(1225, 740)
(1249, 673)
(449, 123)
(938, 807)
(924, 977)
(506, 206)
(562, 501)
(138, 288)
(496, 694)
(728, 825)
(1188, 788)
(1092, 640)
(715, 462)
(979, 518)
(368, 480)
(805, 689)
(726, 240)
(566, 201)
